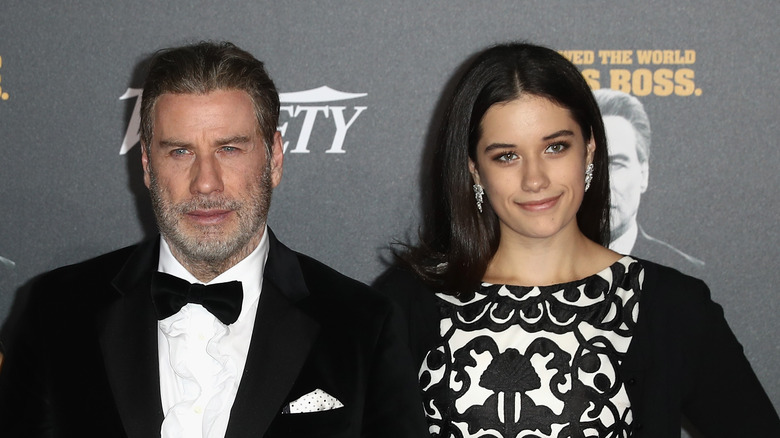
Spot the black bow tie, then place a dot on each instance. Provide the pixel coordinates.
(170, 294)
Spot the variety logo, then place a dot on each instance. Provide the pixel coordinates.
(301, 113)
(6, 262)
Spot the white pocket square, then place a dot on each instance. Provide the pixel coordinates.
(315, 401)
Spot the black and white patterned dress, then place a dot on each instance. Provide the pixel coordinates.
(518, 361)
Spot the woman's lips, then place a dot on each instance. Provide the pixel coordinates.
(540, 205)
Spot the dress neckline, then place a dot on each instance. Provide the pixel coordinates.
(624, 260)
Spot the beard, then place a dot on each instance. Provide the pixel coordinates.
(212, 244)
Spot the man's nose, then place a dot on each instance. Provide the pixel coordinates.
(206, 175)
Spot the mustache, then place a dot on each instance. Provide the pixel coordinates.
(210, 203)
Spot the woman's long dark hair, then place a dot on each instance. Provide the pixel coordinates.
(458, 241)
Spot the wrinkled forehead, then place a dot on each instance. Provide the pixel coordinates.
(184, 114)
(219, 101)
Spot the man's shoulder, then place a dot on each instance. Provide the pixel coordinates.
(102, 267)
(325, 290)
(76, 288)
(336, 295)
(88, 281)
(322, 279)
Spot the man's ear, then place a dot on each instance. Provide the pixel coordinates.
(145, 164)
(277, 159)
(645, 170)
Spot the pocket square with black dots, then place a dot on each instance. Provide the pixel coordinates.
(315, 401)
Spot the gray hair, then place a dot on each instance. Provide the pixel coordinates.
(204, 67)
(620, 104)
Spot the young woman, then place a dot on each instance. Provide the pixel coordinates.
(523, 323)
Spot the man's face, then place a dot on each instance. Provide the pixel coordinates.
(209, 175)
(627, 174)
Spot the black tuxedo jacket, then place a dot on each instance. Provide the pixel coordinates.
(683, 359)
(83, 359)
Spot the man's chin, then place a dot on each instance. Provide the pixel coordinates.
(617, 223)
(212, 243)
(209, 251)
(205, 244)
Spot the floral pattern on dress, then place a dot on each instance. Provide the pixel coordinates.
(519, 361)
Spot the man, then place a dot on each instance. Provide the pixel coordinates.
(124, 345)
(628, 139)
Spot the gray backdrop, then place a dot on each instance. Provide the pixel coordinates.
(66, 192)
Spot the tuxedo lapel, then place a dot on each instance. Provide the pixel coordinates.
(281, 340)
(127, 331)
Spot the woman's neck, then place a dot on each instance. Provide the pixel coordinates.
(545, 261)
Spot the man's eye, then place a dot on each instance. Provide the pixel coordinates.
(180, 151)
(618, 164)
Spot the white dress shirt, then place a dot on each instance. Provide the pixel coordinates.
(624, 243)
(202, 359)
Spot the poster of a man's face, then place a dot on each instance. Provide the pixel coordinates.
(628, 140)
(628, 174)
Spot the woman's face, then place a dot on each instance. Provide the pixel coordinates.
(531, 161)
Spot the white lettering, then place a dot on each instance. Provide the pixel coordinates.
(283, 128)
(132, 136)
(308, 125)
(317, 95)
(341, 127)
(322, 94)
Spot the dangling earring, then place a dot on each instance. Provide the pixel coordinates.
(588, 176)
(478, 192)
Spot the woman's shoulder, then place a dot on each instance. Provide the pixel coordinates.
(398, 274)
(682, 332)
(671, 295)
(415, 296)
(418, 305)
(665, 280)
(402, 284)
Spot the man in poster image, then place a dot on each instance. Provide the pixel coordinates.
(628, 139)
(276, 344)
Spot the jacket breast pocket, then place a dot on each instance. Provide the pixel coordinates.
(334, 423)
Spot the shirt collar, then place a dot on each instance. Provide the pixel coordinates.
(625, 243)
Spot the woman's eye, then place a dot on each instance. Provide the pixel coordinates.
(556, 148)
(506, 157)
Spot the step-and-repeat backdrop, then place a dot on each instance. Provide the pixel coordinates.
(362, 84)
